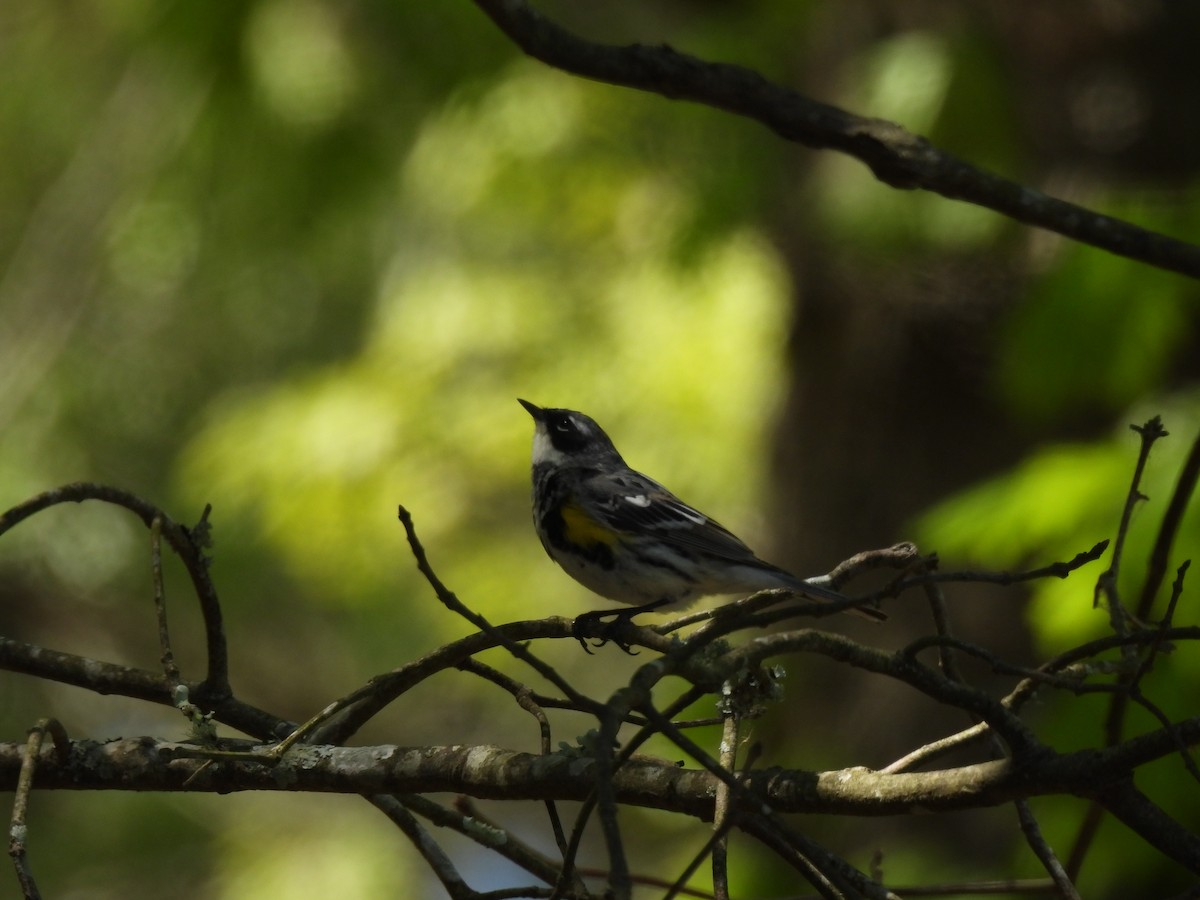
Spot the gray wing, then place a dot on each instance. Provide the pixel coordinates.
(633, 503)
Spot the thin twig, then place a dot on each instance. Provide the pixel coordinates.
(450, 600)
(1106, 584)
(723, 823)
(829, 880)
(941, 623)
(466, 818)
(170, 669)
(435, 857)
(900, 666)
(620, 884)
(1044, 852)
(1148, 820)
(1073, 662)
(822, 868)
(126, 681)
(748, 614)
(1060, 569)
(898, 556)
(690, 696)
(18, 829)
(1172, 520)
(357, 708)
(1189, 763)
(526, 701)
(934, 749)
(1041, 675)
(638, 695)
(721, 812)
(679, 887)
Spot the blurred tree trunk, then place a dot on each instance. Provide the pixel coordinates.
(892, 403)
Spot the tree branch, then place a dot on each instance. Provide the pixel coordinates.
(146, 764)
(897, 157)
(188, 546)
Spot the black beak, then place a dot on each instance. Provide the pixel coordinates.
(535, 411)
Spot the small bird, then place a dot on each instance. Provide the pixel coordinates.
(626, 537)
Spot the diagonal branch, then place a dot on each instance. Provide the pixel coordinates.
(896, 156)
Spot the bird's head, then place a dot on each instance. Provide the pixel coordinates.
(564, 436)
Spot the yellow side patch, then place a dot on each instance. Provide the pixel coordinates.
(582, 530)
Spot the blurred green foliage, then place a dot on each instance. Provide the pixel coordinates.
(298, 259)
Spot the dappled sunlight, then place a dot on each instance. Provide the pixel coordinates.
(464, 147)
(297, 260)
(670, 352)
(152, 246)
(1058, 502)
(1108, 350)
(279, 846)
(907, 78)
(302, 67)
(85, 549)
(1055, 495)
(311, 467)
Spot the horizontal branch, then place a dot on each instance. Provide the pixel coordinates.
(141, 684)
(145, 764)
(896, 156)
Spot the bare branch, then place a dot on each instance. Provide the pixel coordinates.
(1106, 585)
(901, 666)
(496, 773)
(507, 844)
(1058, 569)
(451, 602)
(434, 856)
(605, 773)
(17, 829)
(1172, 519)
(897, 157)
(1043, 851)
(1135, 810)
(215, 686)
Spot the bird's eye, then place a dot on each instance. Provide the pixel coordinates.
(567, 432)
(565, 425)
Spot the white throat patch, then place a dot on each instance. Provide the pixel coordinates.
(543, 450)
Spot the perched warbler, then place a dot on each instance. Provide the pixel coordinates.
(626, 537)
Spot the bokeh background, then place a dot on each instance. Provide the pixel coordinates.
(297, 259)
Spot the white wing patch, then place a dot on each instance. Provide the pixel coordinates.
(688, 513)
(637, 500)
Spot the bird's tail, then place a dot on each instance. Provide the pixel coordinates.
(820, 592)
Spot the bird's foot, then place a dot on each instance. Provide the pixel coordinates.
(593, 625)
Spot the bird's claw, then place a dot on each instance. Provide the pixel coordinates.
(592, 625)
